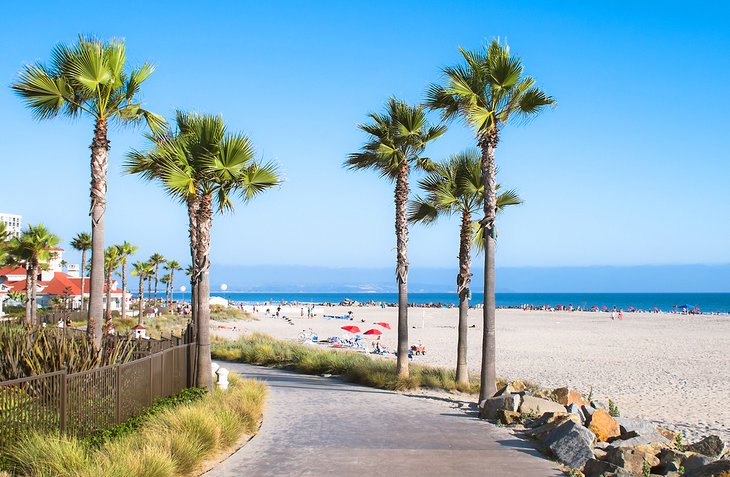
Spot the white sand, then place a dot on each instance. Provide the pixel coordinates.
(672, 369)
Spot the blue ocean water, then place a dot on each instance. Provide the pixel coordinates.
(707, 302)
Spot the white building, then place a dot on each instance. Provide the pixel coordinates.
(13, 223)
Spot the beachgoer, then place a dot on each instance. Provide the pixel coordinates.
(613, 315)
(621, 314)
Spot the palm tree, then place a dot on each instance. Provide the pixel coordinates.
(487, 92)
(397, 138)
(82, 243)
(112, 260)
(172, 266)
(456, 187)
(89, 77)
(156, 260)
(203, 166)
(165, 279)
(125, 250)
(143, 270)
(33, 248)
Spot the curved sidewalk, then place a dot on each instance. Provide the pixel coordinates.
(316, 426)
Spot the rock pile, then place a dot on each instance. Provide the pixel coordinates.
(582, 435)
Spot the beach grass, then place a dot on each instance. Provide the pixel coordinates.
(263, 350)
(174, 442)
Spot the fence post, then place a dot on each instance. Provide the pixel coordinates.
(152, 358)
(62, 406)
(118, 392)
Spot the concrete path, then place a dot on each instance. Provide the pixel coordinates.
(316, 426)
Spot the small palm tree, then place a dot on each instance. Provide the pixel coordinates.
(456, 187)
(33, 248)
(143, 270)
(112, 260)
(487, 92)
(156, 260)
(82, 243)
(396, 141)
(165, 279)
(89, 78)
(204, 167)
(125, 250)
(172, 266)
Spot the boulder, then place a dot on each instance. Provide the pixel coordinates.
(597, 468)
(540, 433)
(669, 435)
(571, 444)
(575, 409)
(631, 459)
(635, 427)
(489, 407)
(547, 418)
(603, 425)
(567, 396)
(694, 462)
(711, 446)
(654, 438)
(670, 460)
(599, 453)
(507, 417)
(719, 468)
(535, 405)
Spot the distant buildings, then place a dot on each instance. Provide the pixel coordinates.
(13, 223)
(54, 283)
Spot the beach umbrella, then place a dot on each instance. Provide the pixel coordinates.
(656, 310)
(373, 331)
(604, 307)
(631, 308)
(685, 306)
(351, 329)
(383, 324)
(594, 307)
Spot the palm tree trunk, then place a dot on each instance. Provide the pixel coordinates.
(157, 272)
(149, 290)
(28, 314)
(124, 290)
(83, 279)
(205, 222)
(108, 317)
(99, 162)
(488, 378)
(401, 234)
(193, 206)
(33, 296)
(463, 281)
(141, 299)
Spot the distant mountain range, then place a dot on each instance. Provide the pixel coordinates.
(648, 279)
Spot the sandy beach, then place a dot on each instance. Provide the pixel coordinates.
(668, 368)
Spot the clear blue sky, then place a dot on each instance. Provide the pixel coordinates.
(631, 167)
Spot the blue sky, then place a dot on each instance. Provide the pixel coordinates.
(630, 168)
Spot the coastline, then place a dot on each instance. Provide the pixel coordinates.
(667, 368)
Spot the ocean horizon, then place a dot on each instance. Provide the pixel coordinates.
(667, 302)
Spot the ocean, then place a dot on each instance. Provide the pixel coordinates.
(707, 302)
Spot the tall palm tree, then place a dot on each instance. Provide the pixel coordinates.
(456, 187)
(82, 243)
(156, 260)
(172, 266)
(396, 141)
(89, 77)
(111, 262)
(143, 270)
(33, 248)
(125, 250)
(165, 279)
(487, 92)
(204, 167)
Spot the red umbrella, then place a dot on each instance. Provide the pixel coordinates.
(373, 332)
(383, 324)
(351, 329)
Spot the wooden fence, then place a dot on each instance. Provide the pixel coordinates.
(81, 404)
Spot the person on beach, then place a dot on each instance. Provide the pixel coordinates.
(621, 314)
(613, 315)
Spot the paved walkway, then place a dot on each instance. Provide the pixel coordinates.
(316, 426)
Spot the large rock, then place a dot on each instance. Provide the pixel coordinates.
(654, 438)
(670, 460)
(711, 446)
(597, 468)
(571, 444)
(567, 396)
(635, 427)
(719, 468)
(535, 405)
(490, 407)
(575, 409)
(540, 433)
(631, 459)
(694, 462)
(603, 425)
(507, 417)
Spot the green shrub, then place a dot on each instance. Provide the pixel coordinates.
(613, 409)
